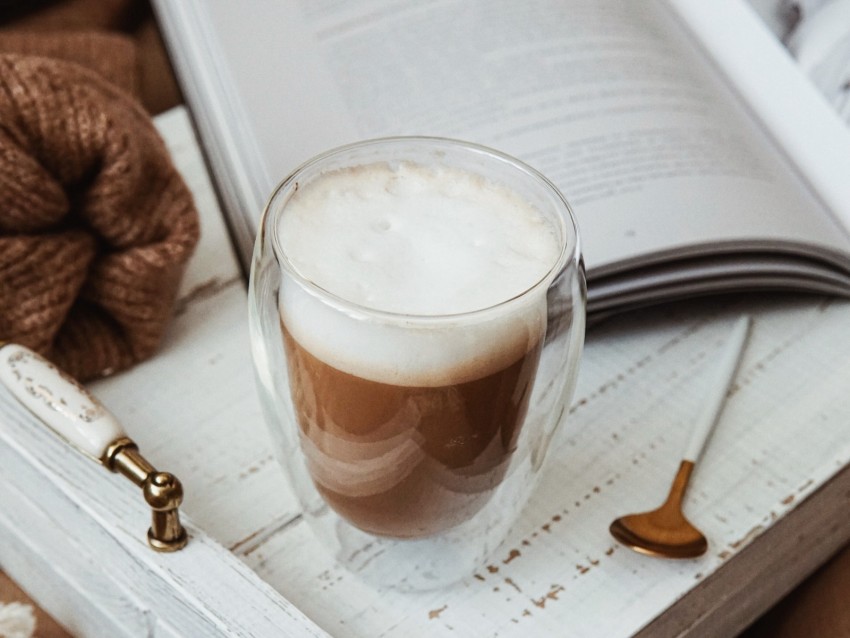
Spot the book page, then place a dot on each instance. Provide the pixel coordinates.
(607, 98)
(804, 125)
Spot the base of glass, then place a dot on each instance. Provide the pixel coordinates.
(433, 562)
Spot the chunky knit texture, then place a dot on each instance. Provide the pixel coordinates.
(96, 225)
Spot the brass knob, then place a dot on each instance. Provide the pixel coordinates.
(164, 493)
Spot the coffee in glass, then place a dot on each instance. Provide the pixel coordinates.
(417, 313)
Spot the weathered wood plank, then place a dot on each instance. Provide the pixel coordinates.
(90, 526)
(25, 553)
(764, 571)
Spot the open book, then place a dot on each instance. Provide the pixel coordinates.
(696, 157)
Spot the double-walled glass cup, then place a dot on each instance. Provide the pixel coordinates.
(413, 440)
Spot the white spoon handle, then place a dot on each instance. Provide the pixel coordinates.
(717, 388)
(57, 400)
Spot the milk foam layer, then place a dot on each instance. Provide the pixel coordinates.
(416, 240)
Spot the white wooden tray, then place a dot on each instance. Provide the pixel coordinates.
(771, 492)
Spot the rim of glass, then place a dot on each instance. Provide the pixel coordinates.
(570, 250)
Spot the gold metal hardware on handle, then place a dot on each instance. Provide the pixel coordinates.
(162, 490)
(78, 418)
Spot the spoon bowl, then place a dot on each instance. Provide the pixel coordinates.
(664, 531)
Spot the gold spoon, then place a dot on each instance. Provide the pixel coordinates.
(665, 531)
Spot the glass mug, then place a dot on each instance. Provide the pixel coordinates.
(411, 401)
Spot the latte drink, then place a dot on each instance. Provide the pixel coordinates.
(413, 314)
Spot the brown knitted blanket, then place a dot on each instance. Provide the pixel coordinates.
(95, 223)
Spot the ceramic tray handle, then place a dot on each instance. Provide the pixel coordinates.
(76, 416)
(57, 400)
